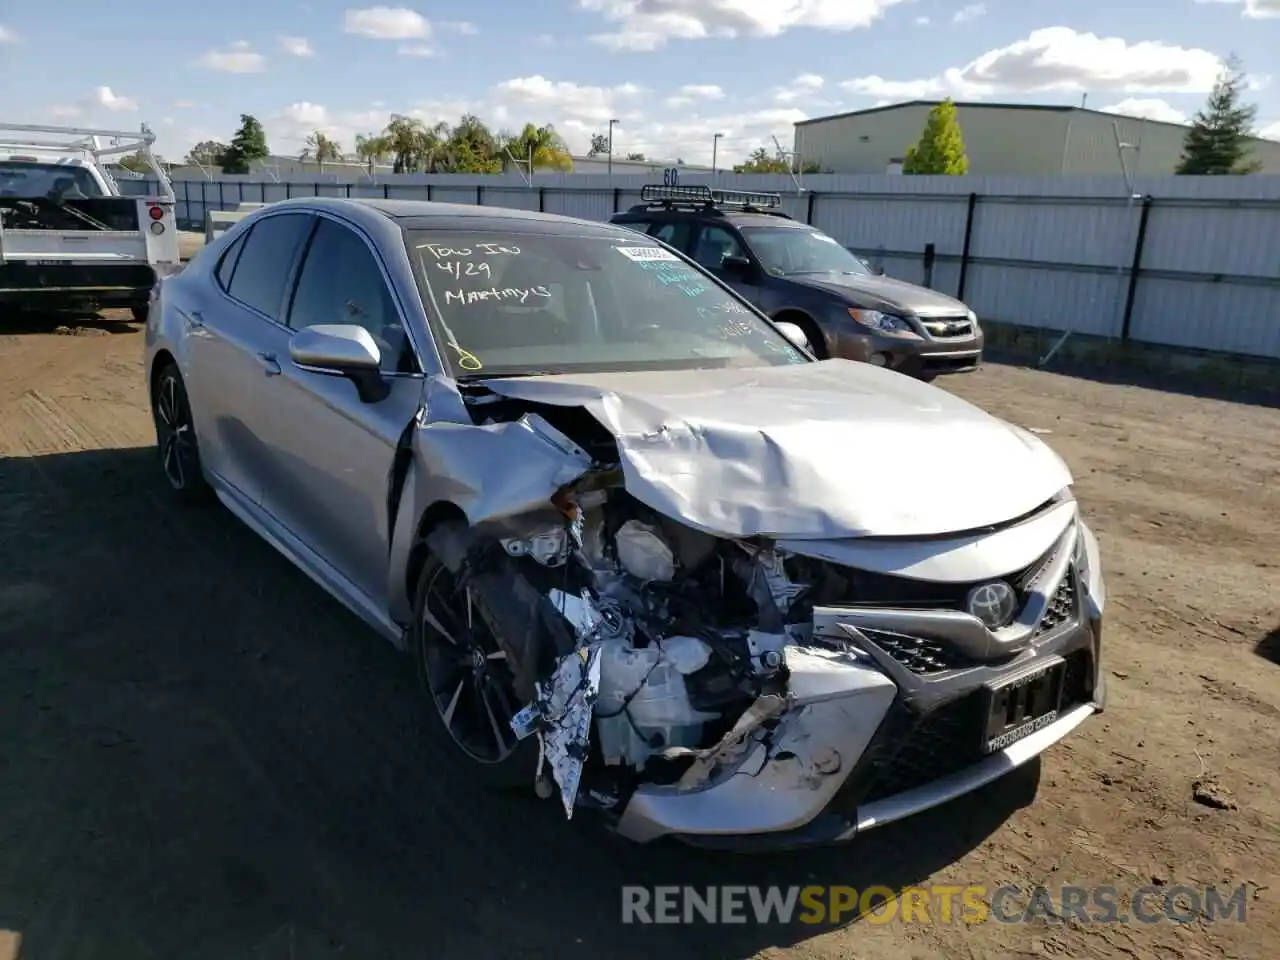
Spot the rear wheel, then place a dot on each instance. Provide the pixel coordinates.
(140, 313)
(176, 436)
(467, 680)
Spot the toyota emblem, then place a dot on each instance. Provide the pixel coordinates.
(993, 603)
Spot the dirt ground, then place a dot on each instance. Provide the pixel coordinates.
(205, 757)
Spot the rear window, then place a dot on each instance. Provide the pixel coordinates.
(28, 179)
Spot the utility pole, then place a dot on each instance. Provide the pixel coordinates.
(611, 123)
(715, 150)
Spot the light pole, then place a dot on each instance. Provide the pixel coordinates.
(611, 123)
(715, 150)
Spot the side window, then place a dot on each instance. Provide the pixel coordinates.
(340, 283)
(227, 265)
(672, 232)
(714, 244)
(262, 270)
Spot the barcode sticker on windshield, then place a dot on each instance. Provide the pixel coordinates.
(646, 254)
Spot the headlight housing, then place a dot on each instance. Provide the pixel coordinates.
(882, 322)
(973, 318)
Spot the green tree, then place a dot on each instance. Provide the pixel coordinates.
(249, 144)
(599, 145)
(635, 156)
(372, 148)
(940, 149)
(760, 161)
(207, 153)
(135, 162)
(1218, 140)
(470, 147)
(541, 148)
(321, 149)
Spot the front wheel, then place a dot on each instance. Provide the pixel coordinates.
(467, 679)
(140, 313)
(176, 436)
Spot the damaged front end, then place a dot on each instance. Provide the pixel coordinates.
(724, 689)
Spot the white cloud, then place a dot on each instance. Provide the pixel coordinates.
(238, 58)
(64, 112)
(105, 98)
(7, 35)
(693, 92)
(460, 26)
(387, 23)
(184, 104)
(1271, 131)
(649, 24)
(416, 50)
(972, 12)
(297, 46)
(1253, 9)
(1148, 109)
(922, 21)
(804, 87)
(1059, 58)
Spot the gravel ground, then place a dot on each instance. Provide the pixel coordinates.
(207, 757)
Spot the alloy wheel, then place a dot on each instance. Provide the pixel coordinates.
(465, 672)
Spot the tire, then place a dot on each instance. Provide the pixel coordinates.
(817, 342)
(926, 377)
(469, 690)
(141, 313)
(176, 437)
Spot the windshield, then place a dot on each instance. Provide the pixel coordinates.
(784, 251)
(526, 303)
(29, 179)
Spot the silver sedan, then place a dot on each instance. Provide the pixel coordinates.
(636, 539)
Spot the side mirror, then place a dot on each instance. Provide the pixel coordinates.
(739, 268)
(795, 335)
(341, 350)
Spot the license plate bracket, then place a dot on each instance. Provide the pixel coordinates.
(1016, 707)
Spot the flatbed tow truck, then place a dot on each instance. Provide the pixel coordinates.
(68, 239)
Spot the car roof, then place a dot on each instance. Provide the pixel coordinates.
(429, 214)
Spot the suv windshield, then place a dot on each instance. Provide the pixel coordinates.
(525, 303)
(784, 251)
(28, 179)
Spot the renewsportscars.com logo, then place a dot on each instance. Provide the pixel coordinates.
(971, 904)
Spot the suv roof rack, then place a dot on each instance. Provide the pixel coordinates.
(709, 199)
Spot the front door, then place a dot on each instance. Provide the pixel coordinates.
(331, 453)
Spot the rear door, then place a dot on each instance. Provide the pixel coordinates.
(675, 233)
(229, 329)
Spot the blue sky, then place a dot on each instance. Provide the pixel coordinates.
(673, 72)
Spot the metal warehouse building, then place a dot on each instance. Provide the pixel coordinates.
(1005, 139)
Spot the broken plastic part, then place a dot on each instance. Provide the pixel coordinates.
(643, 552)
(549, 547)
(564, 705)
(644, 703)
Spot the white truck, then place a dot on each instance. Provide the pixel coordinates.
(68, 239)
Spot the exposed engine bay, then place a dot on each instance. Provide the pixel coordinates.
(685, 632)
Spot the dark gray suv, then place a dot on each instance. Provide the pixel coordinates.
(795, 273)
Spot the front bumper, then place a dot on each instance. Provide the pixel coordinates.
(870, 737)
(911, 356)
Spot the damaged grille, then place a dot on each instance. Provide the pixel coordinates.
(949, 739)
(1062, 605)
(918, 654)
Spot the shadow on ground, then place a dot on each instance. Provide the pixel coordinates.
(205, 756)
(29, 322)
(1269, 646)
(1185, 385)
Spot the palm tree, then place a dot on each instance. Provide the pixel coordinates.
(320, 148)
(541, 148)
(372, 148)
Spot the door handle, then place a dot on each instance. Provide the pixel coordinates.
(270, 366)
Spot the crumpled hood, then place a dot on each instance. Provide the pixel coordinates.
(877, 292)
(808, 451)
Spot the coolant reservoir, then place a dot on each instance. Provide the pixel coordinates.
(644, 705)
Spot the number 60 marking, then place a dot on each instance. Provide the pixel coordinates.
(671, 177)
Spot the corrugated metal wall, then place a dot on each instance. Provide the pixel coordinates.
(1048, 252)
